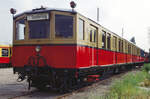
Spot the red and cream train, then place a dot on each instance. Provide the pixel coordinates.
(61, 48)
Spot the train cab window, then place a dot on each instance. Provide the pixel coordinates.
(20, 29)
(39, 29)
(63, 26)
(81, 29)
(108, 41)
(5, 52)
(39, 26)
(103, 39)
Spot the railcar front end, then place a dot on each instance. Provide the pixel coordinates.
(44, 48)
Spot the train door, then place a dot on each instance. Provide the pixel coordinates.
(94, 45)
(114, 49)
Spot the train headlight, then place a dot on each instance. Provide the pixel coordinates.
(37, 48)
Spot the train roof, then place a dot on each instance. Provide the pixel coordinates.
(5, 46)
(42, 10)
(109, 30)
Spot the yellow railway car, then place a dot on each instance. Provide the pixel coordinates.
(5, 55)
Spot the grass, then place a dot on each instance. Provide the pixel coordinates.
(128, 86)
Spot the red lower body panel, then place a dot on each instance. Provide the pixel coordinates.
(4, 60)
(70, 56)
(106, 57)
(55, 56)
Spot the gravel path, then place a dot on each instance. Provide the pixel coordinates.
(11, 89)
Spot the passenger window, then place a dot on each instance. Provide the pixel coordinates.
(5, 52)
(90, 35)
(93, 32)
(119, 45)
(115, 43)
(108, 41)
(122, 47)
(132, 50)
(103, 39)
(126, 47)
(63, 26)
(20, 29)
(94, 35)
(81, 29)
(129, 49)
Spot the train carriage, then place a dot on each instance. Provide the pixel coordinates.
(61, 48)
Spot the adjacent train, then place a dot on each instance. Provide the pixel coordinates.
(61, 48)
(5, 56)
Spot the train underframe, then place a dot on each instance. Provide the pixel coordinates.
(5, 65)
(66, 79)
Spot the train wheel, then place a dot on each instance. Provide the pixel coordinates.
(39, 84)
(67, 84)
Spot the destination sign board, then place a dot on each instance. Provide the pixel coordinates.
(39, 16)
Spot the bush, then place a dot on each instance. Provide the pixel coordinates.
(127, 88)
(146, 67)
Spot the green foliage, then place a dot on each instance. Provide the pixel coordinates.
(128, 87)
(146, 67)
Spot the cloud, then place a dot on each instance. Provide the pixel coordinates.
(22, 5)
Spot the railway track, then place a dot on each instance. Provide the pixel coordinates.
(105, 81)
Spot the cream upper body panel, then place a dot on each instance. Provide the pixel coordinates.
(51, 39)
(85, 32)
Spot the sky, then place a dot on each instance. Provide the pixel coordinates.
(131, 15)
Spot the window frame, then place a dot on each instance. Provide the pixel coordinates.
(93, 33)
(48, 20)
(83, 33)
(119, 45)
(15, 29)
(122, 46)
(129, 48)
(7, 52)
(108, 38)
(104, 45)
(53, 25)
(115, 43)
